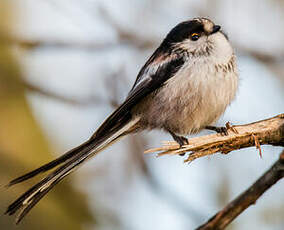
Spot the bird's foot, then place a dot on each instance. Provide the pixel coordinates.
(231, 127)
(180, 140)
(222, 130)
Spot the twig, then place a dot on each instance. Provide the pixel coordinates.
(257, 145)
(57, 44)
(68, 100)
(269, 131)
(247, 198)
(125, 34)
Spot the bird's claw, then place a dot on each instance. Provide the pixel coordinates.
(232, 128)
(181, 140)
(222, 130)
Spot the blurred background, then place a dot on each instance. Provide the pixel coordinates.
(66, 64)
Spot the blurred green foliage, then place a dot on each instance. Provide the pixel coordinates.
(23, 147)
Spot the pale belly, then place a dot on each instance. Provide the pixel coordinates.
(189, 102)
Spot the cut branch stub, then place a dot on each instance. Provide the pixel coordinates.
(265, 132)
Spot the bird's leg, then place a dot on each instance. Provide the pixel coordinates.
(222, 130)
(180, 140)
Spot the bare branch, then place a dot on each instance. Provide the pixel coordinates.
(126, 35)
(247, 198)
(269, 132)
(57, 44)
(68, 100)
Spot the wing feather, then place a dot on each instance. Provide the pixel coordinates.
(157, 70)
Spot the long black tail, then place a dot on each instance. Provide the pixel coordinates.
(70, 161)
(50, 165)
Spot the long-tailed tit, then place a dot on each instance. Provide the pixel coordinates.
(184, 87)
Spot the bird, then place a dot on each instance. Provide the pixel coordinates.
(183, 88)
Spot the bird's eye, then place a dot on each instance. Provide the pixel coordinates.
(195, 36)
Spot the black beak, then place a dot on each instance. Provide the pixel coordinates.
(216, 28)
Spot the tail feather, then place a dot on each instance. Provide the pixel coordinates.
(76, 157)
(30, 198)
(26, 201)
(24, 198)
(50, 165)
(25, 210)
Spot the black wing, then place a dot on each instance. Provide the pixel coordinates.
(157, 70)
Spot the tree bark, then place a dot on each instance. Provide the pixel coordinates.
(269, 131)
(224, 217)
(265, 132)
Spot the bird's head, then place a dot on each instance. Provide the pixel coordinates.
(198, 37)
